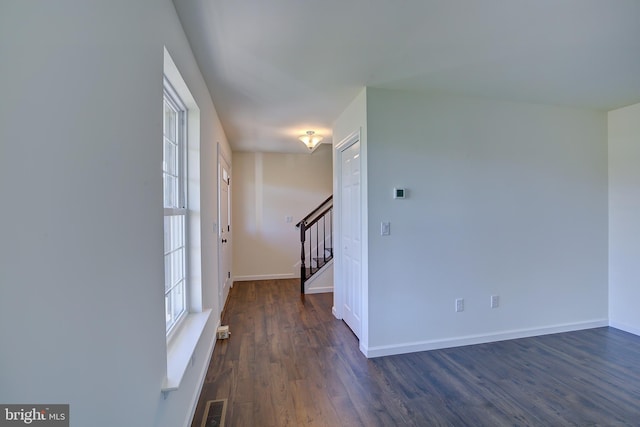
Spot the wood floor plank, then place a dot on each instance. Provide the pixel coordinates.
(289, 362)
(281, 396)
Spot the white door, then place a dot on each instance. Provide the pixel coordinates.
(224, 235)
(351, 236)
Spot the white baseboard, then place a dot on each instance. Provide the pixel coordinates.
(264, 277)
(335, 313)
(412, 347)
(624, 327)
(319, 290)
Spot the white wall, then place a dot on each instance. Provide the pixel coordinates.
(504, 199)
(81, 265)
(624, 218)
(268, 187)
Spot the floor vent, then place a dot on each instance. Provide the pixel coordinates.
(214, 413)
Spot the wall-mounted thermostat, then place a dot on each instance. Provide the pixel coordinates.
(399, 193)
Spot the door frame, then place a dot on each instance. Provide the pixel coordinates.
(221, 267)
(339, 289)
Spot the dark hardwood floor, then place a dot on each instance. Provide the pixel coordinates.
(289, 364)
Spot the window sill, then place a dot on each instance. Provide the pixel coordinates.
(181, 347)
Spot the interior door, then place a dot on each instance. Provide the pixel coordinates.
(351, 236)
(225, 229)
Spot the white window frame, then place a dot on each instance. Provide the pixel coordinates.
(185, 336)
(179, 209)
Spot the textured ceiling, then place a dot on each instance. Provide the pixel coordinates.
(277, 68)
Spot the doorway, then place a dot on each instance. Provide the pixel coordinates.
(349, 271)
(224, 228)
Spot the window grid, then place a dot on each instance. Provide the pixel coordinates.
(175, 212)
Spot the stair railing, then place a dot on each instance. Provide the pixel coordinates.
(316, 238)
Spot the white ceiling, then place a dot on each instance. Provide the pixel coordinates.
(277, 68)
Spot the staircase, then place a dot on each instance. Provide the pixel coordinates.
(316, 241)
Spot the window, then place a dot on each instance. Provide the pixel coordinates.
(186, 317)
(175, 208)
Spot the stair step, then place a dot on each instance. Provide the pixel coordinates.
(322, 260)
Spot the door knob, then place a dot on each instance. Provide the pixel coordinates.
(224, 240)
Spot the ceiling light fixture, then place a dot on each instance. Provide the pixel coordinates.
(310, 139)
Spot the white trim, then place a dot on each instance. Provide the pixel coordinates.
(264, 277)
(203, 375)
(181, 346)
(193, 226)
(351, 139)
(335, 314)
(412, 347)
(323, 290)
(223, 162)
(175, 211)
(624, 327)
(339, 290)
(338, 294)
(180, 349)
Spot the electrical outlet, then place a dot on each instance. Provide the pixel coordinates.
(495, 301)
(459, 305)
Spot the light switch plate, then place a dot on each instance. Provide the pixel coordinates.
(385, 228)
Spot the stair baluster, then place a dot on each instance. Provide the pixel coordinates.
(310, 226)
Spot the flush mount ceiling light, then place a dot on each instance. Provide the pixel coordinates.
(310, 139)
